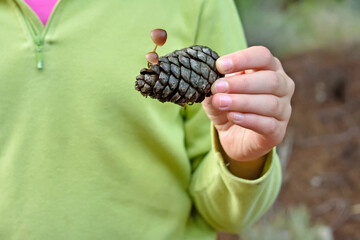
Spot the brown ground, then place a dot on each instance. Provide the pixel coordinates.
(323, 170)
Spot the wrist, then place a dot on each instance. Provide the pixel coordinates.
(250, 169)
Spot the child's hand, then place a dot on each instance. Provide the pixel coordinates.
(250, 107)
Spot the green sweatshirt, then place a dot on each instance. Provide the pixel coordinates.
(84, 156)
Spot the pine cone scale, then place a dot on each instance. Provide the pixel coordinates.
(164, 66)
(158, 87)
(185, 61)
(173, 82)
(163, 78)
(175, 70)
(205, 70)
(195, 80)
(174, 60)
(167, 91)
(185, 74)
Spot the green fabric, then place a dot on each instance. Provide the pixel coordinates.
(84, 156)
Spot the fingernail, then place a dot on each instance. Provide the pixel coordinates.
(221, 86)
(226, 65)
(225, 102)
(238, 117)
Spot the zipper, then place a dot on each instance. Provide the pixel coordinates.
(36, 29)
(39, 42)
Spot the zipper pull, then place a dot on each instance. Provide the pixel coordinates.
(39, 41)
(39, 58)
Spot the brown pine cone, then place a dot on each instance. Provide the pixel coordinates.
(183, 77)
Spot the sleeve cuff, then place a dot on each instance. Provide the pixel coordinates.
(227, 202)
(225, 172)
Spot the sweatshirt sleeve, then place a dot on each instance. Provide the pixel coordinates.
(226, 202)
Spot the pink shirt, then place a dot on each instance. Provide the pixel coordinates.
(42, 8)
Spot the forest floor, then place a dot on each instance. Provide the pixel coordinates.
(321, 151)
(322, 166)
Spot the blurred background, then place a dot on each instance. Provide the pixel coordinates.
(318, 43)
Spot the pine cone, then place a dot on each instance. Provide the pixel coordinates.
(183, 77)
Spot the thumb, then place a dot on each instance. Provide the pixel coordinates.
(218, 117)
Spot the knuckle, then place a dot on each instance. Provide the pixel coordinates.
(264, 50)
(289, 111)
(274, 105)
(274, 81)
(272, 127)
(266, 53)
(292, 87)
(278, 62)
(285, 116)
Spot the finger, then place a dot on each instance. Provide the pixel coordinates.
(217, 117)
(261, 82)
(261, 104)
(263, 125)
(258, 57)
